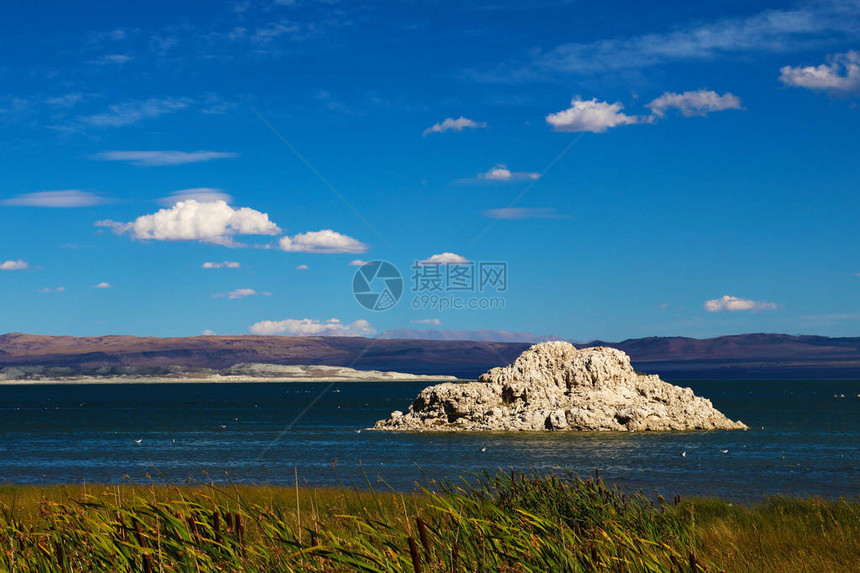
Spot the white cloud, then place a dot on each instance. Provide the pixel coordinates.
(153, 158)
(245, 292)
(733, 304)
(591, 115)
(522, 213)
(451, 124)
(324, 241)
(66, 100)
(272, 31)
(444, 259)
(18, 265)
(222, 265)
(102, 285)
(767, 31)
(49, 289)
(359, 262)
(199, 194)
(309, 327)
(433, 321)
(115, 59)
(700, 102)
(65, 198)
(215, 222)
(302, 267)
(241, 293)
(134, 111)
(841, 74)
(502, 173)
(208, 332)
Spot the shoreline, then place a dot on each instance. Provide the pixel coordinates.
(238, 373)
(216, 380)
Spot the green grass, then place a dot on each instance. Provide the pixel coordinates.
(502, 522)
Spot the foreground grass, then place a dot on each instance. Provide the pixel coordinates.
(512, 523)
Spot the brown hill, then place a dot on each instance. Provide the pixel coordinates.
(415, 357)
(738, 356)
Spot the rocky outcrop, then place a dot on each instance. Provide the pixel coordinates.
(554, 386)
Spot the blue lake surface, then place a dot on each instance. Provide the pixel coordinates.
(803, 440)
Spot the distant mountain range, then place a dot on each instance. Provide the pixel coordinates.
(751, 356)
(482, 335)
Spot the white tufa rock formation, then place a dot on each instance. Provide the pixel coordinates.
(554, 386)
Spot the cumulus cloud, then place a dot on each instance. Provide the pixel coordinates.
(841, 74)
(451, 124)
(502, 173)
(324, 241)
(302, 267)
(213, 222)
(433, 321)
(65, 198)
(134, 111)
(208, 332)
(18, 265)
(102, 285)
(734, 304)
(591, 115)
(444, 259)
(222, 265)
(157, 158)
(310, 327)
(49, 289)
(700, 102)
(359, 262)
(199, 194)
(512, 213)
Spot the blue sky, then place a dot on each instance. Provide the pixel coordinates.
(688, 169)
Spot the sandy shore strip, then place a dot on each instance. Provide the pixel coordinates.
(213, 380)
(241, 373)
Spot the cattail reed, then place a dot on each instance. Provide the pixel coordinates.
(240, 532)
(141, 541)
(120, 527)
(694, 565)
(505, 522)
(216, 526)
(191, 520)
(422, 534)
(61, 561)
(240, 527)
(416, 557)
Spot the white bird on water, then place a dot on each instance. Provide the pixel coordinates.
(724, 451)
(683, 454)
(484, 449)
(139, 440)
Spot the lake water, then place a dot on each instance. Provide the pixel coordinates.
(802, 440)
